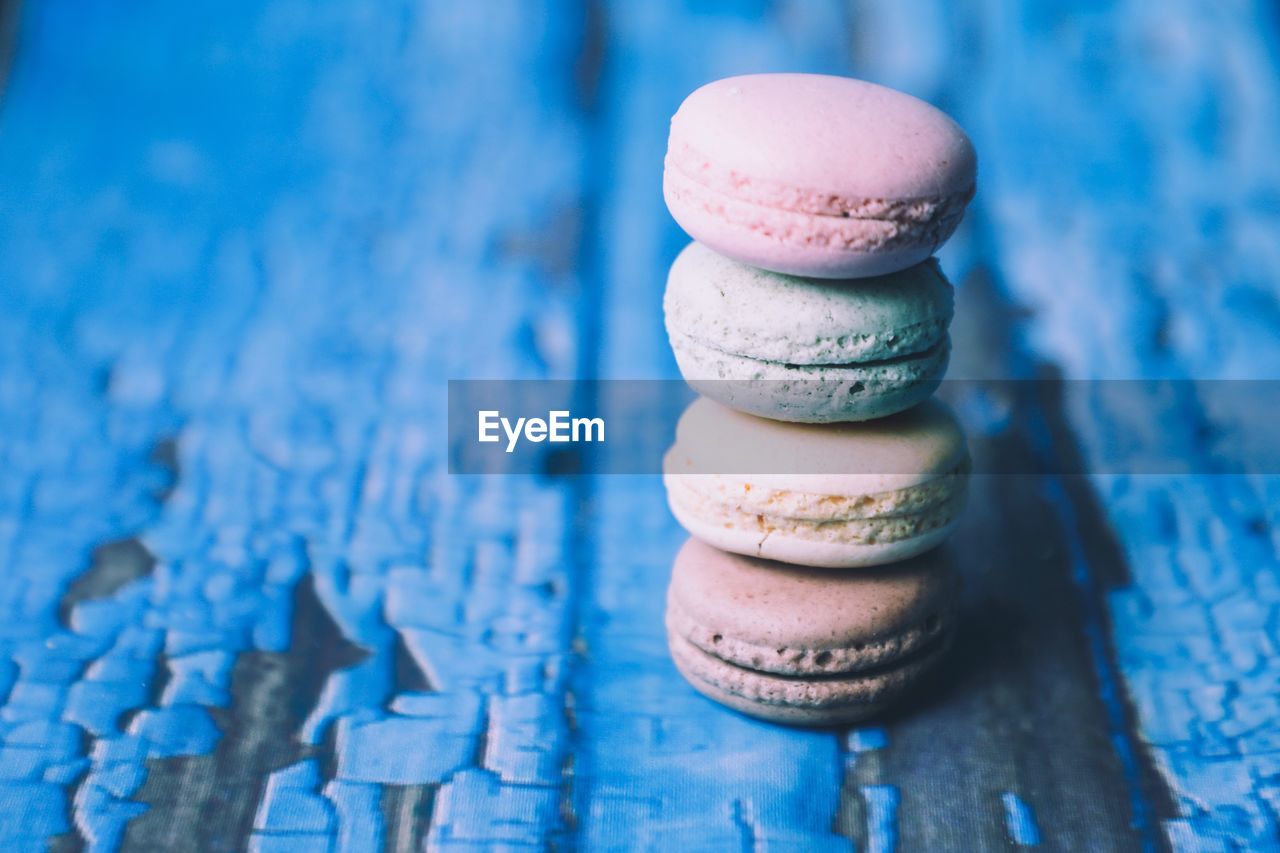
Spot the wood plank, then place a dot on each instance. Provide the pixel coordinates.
(656, 765)
(1127, 212)
(1034, 713)
(1020, 711)
(936, 777)
(246, 257)
(264, 237)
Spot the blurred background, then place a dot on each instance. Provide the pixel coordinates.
(243, 246)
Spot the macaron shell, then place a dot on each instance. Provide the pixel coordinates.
(734, 308)
(811, 393)
(789, 620)
(816, 175)
(778, 699)
(818, 136)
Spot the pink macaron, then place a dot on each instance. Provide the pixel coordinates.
(815, 175)
(807, 646)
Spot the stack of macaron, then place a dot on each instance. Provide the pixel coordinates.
(814, 473)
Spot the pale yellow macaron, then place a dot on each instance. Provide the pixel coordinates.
(834, 495)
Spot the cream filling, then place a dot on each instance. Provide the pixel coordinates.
(779, 196)
(710, 495)
(857, 531)
(785, 660)
(805, 692)
(847, 350)
(896, 365)
(806, 229)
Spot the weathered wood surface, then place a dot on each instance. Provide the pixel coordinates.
(244, 247)
(1126, 199)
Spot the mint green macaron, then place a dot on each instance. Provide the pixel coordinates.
(804, 349)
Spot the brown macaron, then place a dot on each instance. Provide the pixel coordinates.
(806, 646)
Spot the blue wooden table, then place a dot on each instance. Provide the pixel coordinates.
(245, 244)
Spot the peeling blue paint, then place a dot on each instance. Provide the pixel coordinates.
(263, 291)
(1193, 631)
(1020, 820)
(882, 817)
(267, 233)
(290, 803)
(866, 739)
(475, 807)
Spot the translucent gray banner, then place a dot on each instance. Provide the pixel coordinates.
(576, 427)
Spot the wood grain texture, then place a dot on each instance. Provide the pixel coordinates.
(265, 240)
(656, 765)
(1125, 211)
(245, 246)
